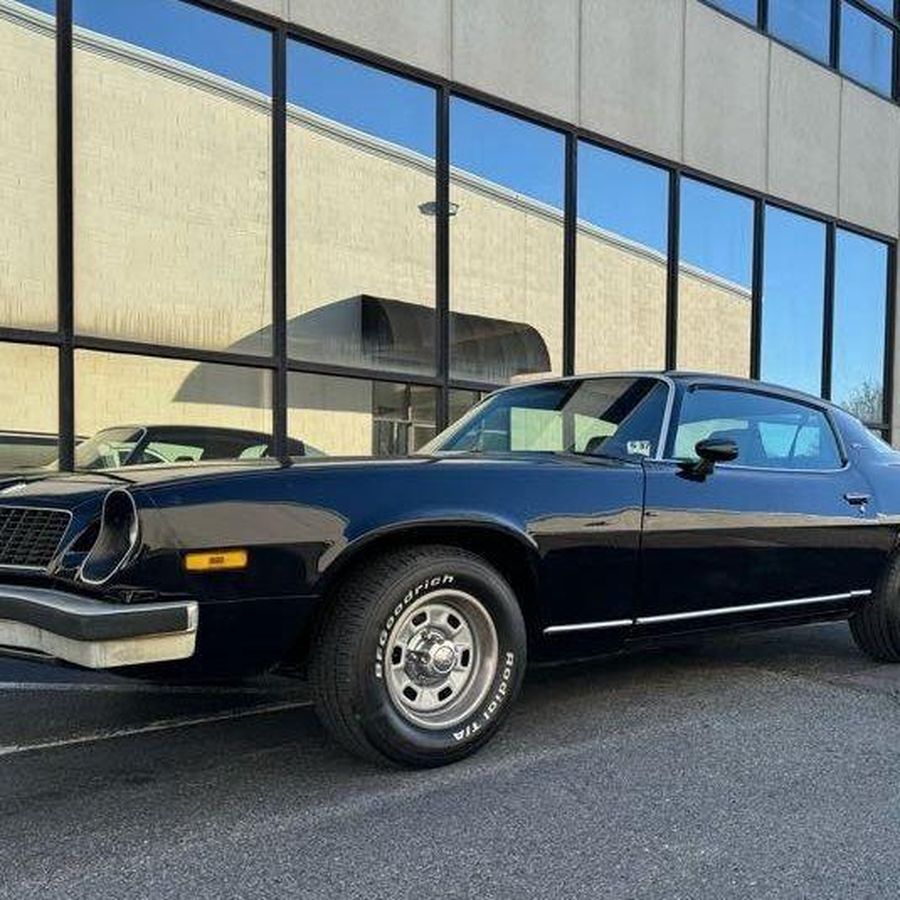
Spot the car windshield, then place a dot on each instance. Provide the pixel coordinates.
(108, 449)
(616, 416)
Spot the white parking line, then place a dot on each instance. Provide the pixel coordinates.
(150, 727)
(141, 688)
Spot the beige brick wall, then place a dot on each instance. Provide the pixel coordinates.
(27, 177)
(713, 327)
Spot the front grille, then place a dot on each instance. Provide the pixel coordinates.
(29, 536)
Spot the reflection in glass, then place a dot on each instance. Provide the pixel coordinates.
(804, 24)
(769, 432)
(866, 49)
(743, 9)
(618, 417)
(361, 223)
(885, 6)
(113, 390)
(172, 119)
(29, 395)
(793, 301)
(714, 279)
(860, 297)
(622, 257)
(460, 402)
(358, 417)
(28, 167)
(506, 254)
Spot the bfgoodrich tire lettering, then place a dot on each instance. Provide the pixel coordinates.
(358, 697)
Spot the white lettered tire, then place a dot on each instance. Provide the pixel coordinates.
(419, 657)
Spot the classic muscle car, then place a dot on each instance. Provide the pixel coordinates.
(557, 519)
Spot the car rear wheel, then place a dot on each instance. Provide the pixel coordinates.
(875, 626)
(419, 657)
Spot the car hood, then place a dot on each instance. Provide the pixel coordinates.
(69, 490)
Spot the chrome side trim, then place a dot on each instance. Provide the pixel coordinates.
(753, 607)
(701, 613)
(588, 626)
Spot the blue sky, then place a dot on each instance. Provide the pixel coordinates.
(859, 313)
(716, 231)
(188, 33)
(624, 196)
(793, 292)
(376, 102)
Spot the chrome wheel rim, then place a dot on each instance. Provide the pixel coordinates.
(441, 658)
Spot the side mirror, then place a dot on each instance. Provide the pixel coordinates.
(711, 451)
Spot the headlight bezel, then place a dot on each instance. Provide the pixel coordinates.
(117, 541)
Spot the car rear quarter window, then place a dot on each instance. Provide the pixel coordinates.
(770, 432)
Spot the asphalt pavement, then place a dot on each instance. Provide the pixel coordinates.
(762, 765)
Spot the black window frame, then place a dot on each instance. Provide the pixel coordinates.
(278, 364)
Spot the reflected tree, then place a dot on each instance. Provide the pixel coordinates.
(866, 402)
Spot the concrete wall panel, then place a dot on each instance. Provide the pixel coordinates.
(412, 31)
(870, 160)
(632, 72)
(523, 50)
(726, 97)
(270, 7)
(804, 131)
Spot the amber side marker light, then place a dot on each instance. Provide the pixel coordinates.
(215, 560)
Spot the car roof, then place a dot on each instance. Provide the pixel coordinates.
(688, 378)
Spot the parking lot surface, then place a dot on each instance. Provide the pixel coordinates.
(762, 765)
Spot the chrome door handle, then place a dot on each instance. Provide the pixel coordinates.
(857, 499)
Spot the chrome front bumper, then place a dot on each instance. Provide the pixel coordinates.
(93, 633)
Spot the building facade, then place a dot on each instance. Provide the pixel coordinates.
(343, 223)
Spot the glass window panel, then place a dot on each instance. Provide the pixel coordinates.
(885, 6)
(361, 214)
(860, 297)
(622, 258)
(714, 279)
(743, 9)
(769, 432)
(461, 402)
(804, 24)
(793, 301)
(28, 167)
(866, 49)
(116, 391)
(172, 119)
(29, 416)
(359, 417)
(506, 255)
(618, 417)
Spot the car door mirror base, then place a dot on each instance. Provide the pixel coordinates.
(709, 452)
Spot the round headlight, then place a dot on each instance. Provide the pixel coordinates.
(117, 540)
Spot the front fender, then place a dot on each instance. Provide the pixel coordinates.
(450, 526)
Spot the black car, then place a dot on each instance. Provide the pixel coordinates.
(558, 519)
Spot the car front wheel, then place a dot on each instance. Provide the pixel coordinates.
(419, 656)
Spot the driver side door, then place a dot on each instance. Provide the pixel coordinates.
(780, 527)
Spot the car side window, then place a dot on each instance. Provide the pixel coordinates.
(165, 452)
(770, 432)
